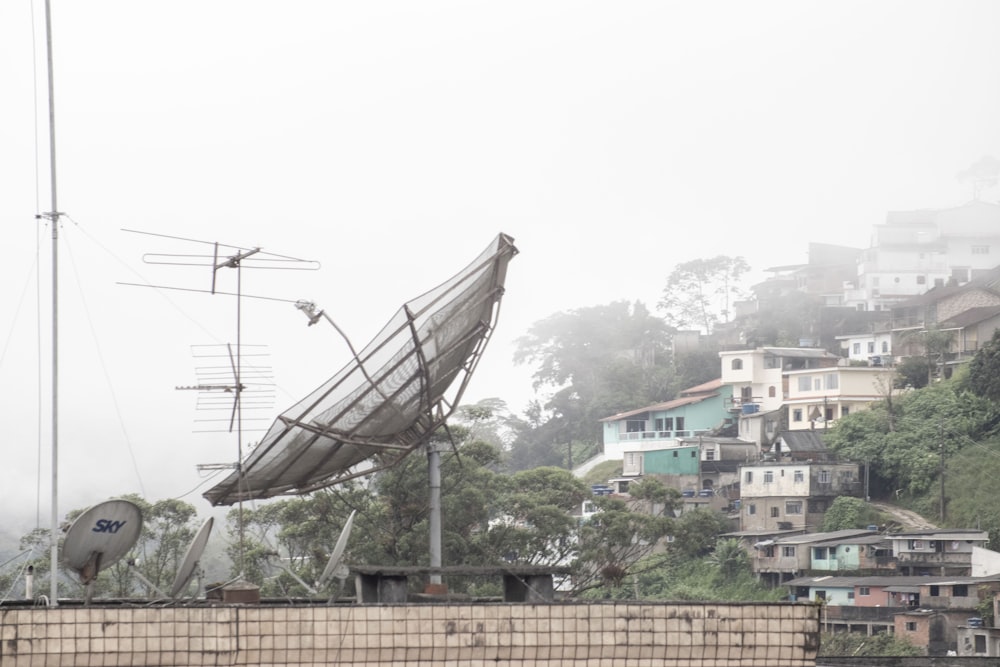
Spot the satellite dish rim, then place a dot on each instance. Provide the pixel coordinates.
(80, 545)
(338, 552)
(191, 558)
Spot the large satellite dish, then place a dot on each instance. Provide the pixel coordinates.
(191, 559)
(100, 536)
(389, 399)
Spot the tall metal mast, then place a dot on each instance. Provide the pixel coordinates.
(53, 216)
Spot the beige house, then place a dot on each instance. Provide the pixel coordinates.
(818, 397)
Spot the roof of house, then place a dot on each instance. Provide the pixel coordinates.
(989, 281)
(698, 393)
(886, 581)
(942, 533)
(816, 538)
(802, 441)
(971, 316)
(711, 385)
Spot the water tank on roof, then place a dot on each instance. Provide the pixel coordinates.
(750, 408)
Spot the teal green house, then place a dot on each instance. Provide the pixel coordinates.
(700, 410)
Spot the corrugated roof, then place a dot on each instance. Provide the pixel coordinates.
(887, 580)
(802, 441)
(971, 316)
(711, 385)
(667, 405)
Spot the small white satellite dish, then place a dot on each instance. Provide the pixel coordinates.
(191, 559)
(100, 536)
(333, 566)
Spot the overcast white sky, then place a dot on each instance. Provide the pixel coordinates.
(390, 141)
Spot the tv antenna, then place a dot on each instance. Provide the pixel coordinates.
(226, 256)
(99, 537)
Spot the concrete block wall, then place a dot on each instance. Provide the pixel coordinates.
(515, 635)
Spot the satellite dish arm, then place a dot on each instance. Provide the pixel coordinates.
(149, 584)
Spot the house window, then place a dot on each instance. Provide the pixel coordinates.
(775, 513)
(824, 477)
(805, 383)
(856, 348)
(819, 553)
(850, 595)
(935, 591)
(709, 454)
(769, 552)
(694, 454)
(680, 423)
(635, 426)
(751, 509)
(885, 346)
(771, 392)
(817, 384)
(980, 250)
(768, 476)
(737, 364)
(798, 476)
(749, 477)
(921, 280)
(844, 410)
(960, 591)
(797, 415)
(864, 591)
(675, 453)
(871, 347)
(831, 380)
(911, 626)
(793, 507)
(788, 552)
(916, 544)
(980, 643)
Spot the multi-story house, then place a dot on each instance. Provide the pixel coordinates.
(944, 552)
(779, 495)
(817, 398)
(757, 384)
(704, 469)
(873, 348)
(869, 554)
(917, 250)
(699, 410)
(786, 557)
(928, 611)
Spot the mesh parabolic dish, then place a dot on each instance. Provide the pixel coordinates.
(386, 402)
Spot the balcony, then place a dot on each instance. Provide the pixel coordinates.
(660, 435)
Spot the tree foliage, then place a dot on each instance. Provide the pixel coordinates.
(700, 293)
(168, 528)
(846, 512)
(984, 370)
(596, 362)
(856, 644)
(905, 441)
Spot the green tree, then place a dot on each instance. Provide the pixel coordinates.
(614, 542)
(597, 362)
(696, 532)
(731, 559)
(699, 293)
(984, 370)
(856, 644)
(846, 512)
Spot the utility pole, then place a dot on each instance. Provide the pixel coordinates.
(941, 450)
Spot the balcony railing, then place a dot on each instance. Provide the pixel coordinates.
(661, 435)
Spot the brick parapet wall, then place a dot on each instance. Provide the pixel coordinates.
(543, 635)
